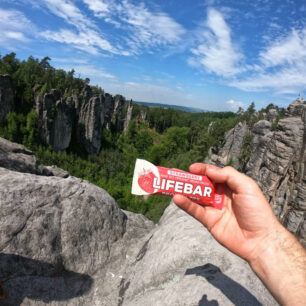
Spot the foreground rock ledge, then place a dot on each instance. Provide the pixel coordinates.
(64, 241)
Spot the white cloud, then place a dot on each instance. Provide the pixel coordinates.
(142, 28)
(87, 36)
(283, 66)
(89, 40)
(234, 105)
(14, 27)
(149, 27)
(69, 60)
(288, 50)
(69, 12)
(216, 51)
(286, 80)
(99, 7)
(89, 71)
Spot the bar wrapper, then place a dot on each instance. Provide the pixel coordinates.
(150, 179)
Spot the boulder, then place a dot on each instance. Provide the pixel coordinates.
(17, 157)
(6, 96)
(60, 236)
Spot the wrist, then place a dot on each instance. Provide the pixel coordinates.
(280, 264)
(269, 245)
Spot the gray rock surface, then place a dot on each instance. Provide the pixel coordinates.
(17, 157)
(63, 124)
(82, 116)
(277, 163)
(180, 263)
(272, 114)
(260, 130)
(55, 119)
(122, 113)
(57, 238)
(129, 115)
(56, 171)
(231, 147)
(90, 124)
(6, 96)
(114, 113)
(64, 241)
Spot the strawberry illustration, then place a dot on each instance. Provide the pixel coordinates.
(145, 181)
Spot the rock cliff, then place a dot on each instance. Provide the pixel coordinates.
(56, 119)
(6, 96)
(229, 152)
(277, 162)
(84, 114)
(64, 241)
(79, 116)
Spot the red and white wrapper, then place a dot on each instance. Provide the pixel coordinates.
(150, 179)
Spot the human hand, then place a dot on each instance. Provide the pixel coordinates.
(246, 222)
(248, 227)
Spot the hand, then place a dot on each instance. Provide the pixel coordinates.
(247, 226)
(246, 220)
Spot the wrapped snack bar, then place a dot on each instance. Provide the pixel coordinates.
(150, 179)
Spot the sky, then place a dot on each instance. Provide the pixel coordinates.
(210, 54)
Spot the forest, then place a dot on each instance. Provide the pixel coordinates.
(168, 137)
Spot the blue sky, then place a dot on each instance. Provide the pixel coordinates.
(215, 55)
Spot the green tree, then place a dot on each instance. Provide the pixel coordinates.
(31, 137)
(143, 142)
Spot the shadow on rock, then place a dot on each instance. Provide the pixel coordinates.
(237, 294)
(33, 279)
(205, 302)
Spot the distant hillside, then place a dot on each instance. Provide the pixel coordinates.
(178, 107)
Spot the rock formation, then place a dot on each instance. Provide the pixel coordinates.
(86, 114)
(6, 96)
(64, 241)
(55, 119)
(90, 124)
(229, 152)
(277, 162)
(79, 116)
(18, 158)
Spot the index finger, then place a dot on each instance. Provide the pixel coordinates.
(235, 180)
(207, 215)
